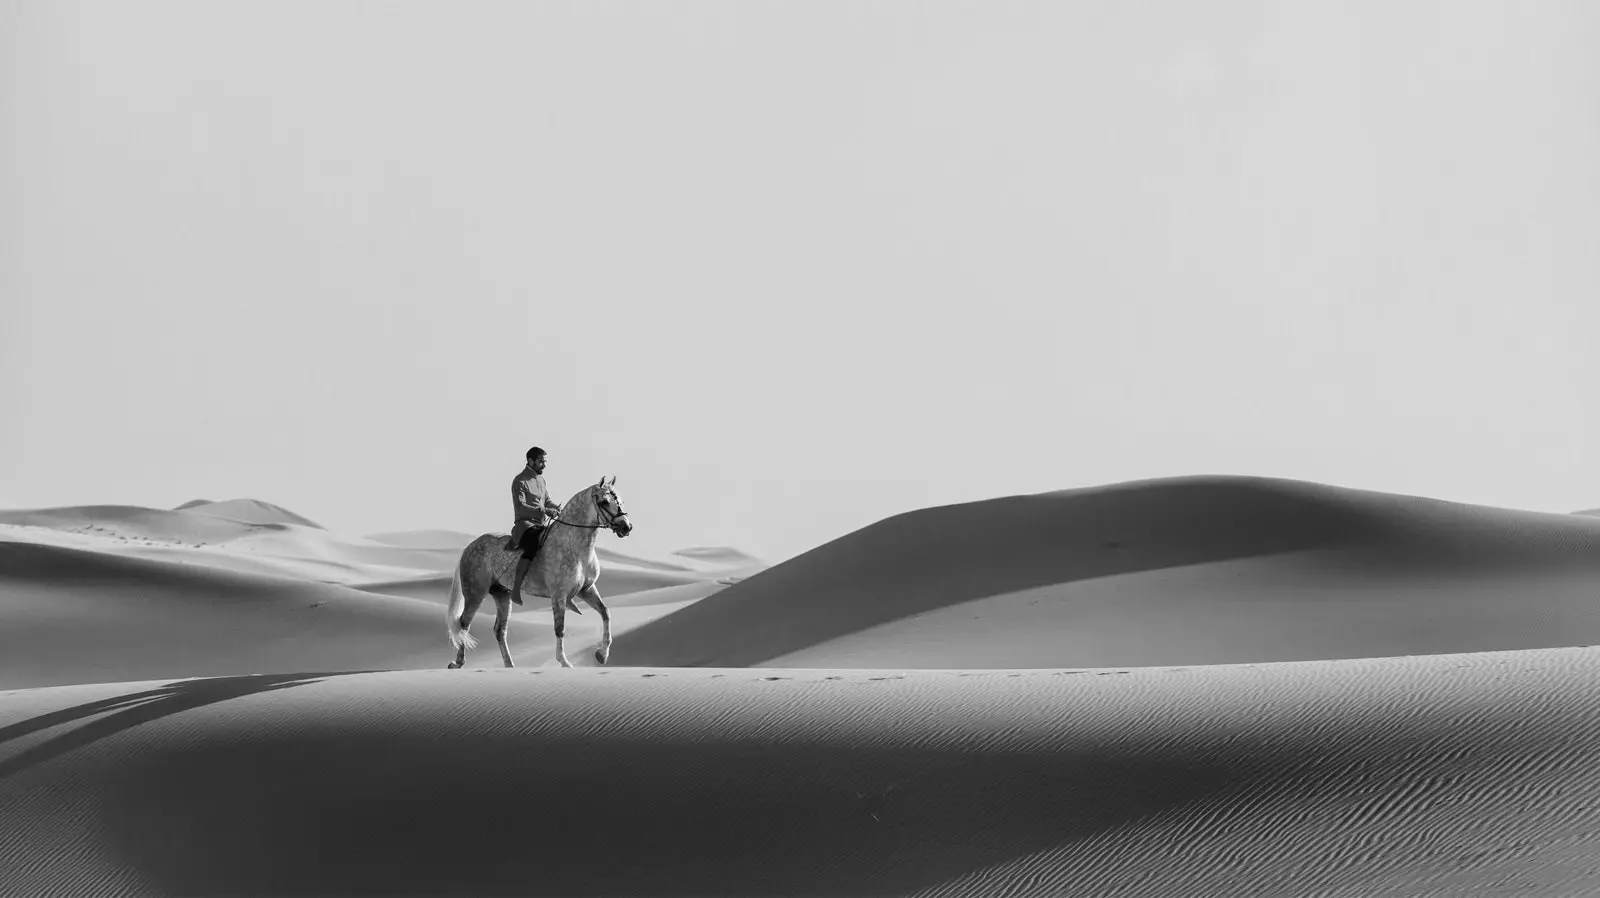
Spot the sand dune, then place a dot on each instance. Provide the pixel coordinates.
(85, 617)
(1442, 775)
(133, 530)
(250, 511)
(82, 617)
(721, 558)
(1182, 571)
(1067, 712)
(426, 539)
(1200, 570)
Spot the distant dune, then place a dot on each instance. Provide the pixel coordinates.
(426, 539)
(251, 511)
(285, 548)
(1199, 570)
(718, 556)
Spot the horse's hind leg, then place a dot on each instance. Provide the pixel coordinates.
(473, 600)
(591, 597)
(502, 618)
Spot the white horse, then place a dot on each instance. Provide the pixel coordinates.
(564, 569)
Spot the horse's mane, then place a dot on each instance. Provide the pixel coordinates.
(573, 498)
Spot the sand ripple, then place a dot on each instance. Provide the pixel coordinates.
(1444, 774)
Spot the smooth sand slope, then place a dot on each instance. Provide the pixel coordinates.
(1195, 570)
(1436, 775)
(72, 616)
(104, 593)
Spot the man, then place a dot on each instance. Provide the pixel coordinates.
(533, 508)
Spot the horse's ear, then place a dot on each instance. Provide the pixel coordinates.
(613, 480)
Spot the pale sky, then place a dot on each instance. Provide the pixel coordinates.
(789, 268)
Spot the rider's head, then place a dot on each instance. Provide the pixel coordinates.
(536, 460)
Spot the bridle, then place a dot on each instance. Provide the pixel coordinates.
(599, 509)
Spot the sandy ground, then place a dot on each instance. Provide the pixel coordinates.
(1430, 775)
(1194, 686)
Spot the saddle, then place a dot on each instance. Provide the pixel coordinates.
(510, 545)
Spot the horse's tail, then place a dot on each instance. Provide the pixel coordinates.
(458, 603)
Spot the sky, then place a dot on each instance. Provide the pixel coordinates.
(788, 268)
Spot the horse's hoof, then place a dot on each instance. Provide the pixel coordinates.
(451, 666)
(600, 656)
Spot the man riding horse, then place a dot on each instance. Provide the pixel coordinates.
(553, 556)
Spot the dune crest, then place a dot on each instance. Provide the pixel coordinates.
(250, 511)
(1188, 570)
(425, 539)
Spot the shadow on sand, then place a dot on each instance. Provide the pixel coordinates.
(130, 710)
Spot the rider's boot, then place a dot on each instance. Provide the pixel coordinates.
(522, 571)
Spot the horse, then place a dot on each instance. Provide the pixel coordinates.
(564, 569)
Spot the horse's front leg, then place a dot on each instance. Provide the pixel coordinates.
(502, 619)
(558, 616)
(591, 596)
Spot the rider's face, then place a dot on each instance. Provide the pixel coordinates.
(537, 464)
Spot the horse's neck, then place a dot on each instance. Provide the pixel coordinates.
(579, 511)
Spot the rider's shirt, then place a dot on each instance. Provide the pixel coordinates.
(530, 498)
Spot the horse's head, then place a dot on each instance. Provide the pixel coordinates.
(610, 507)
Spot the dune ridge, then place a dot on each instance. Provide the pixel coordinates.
(425, 539)
(1122, 574)
(250, 511)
